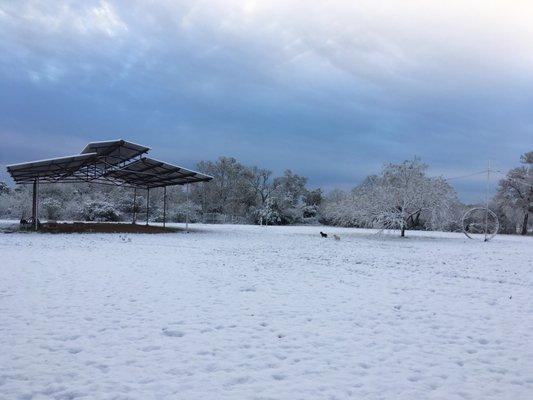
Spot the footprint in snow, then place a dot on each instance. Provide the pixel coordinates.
(150, 348)
(171, 333)
(67, 338)
(74, 350)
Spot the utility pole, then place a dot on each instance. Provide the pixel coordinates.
(487, 201)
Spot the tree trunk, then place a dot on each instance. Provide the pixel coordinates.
(403, 231)
(417, 220)
(524, 223)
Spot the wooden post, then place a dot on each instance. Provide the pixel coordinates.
(35, 203)
(164, 206)
(147, 204)
(187, 209)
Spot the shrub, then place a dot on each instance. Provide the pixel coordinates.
(51, 208)
(95, 210)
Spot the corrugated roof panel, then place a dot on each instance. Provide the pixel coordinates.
(50, 168)
(114, 152)
(148, 172)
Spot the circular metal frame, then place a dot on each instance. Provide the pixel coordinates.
(488, 212)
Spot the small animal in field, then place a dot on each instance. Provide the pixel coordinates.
(337, 237)
(324, 235)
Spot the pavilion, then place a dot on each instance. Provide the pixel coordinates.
(115, 162)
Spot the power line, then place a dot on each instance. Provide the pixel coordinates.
(467, 176)
(519, 180)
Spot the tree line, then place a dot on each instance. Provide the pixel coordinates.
(401, 196)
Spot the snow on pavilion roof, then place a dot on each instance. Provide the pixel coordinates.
(115, 162)
(114, 152)
(50, 169)
(148, 172)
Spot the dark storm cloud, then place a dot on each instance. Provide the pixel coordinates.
(331, 92)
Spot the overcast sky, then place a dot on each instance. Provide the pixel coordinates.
(329, 89)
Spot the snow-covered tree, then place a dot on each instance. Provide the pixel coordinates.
(515, 192)
(267, 213)
(342, 208)
(403, 194)
(4, 189)
(288, 197)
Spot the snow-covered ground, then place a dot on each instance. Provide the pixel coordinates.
(242, 312)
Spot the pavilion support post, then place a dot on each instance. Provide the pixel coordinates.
(35, 203)
(134, 219)
(164, 206)
(187, 208)
(147, 204)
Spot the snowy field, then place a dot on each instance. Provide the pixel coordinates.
(243, 312)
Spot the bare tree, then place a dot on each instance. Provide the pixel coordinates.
(229, 192)
(259, 181)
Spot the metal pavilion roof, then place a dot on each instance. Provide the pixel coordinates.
(148, 172)
(51, 169)
(114, 152)
(116, 162)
